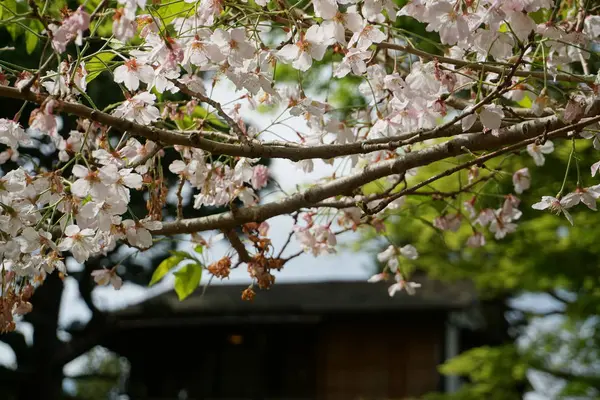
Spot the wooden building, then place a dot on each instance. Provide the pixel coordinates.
(340, 340)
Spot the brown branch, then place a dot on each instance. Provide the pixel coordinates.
(464, 189)
(461, 104)
(488, 68)
(479, 160)
(520, 134)
(462, 63)
(216, 105)
(250, 149)
(237, 244)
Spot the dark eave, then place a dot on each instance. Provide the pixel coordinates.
(221, 302)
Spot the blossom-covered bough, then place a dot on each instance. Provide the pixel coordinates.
(507, 78)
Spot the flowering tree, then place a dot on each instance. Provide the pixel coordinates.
(535, 324)
(504, 78)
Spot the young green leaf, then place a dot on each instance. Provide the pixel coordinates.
(97, 64)
(183, 254)
(187, 280)
(165, 266)
(31, 39)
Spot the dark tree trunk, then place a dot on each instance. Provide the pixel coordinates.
(44, 378)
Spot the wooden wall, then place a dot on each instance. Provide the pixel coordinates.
(379, 359)
(340, 358)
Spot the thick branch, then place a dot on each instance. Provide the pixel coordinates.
(250, 149)
(451, 148)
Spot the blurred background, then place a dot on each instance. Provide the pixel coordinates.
(514, 319)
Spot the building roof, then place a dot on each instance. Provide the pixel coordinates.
(221, 301)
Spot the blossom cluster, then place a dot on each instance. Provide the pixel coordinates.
(412, 105)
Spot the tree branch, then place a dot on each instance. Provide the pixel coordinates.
(237, 244)
(517, 134)
(216, 105)
(488, 68)
(250, 149)
(461, 63)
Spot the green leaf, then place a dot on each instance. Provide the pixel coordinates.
(97, 64)
(201, 114)
(10, 9)
(174, 10)
(199, 249)
(183, 254)
(165, 266)
(187, 280)
(31, 40)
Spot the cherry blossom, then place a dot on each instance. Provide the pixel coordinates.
(407, 132)
(368, 35)
(502, 224)
(138, 232)
(94, 183)
(490, 116)
(200, 51)
(233, 45)
(80, 242)
(537, 152)
(402, 284)
(71, 28)
(521, 180)
(378, 277)
(124, 25)
(354, 61)
(32, 240)
(409, 252)
(260, 176)
(556, 206)
(390, 257)
(443, 17)
(132, 72)
(587, 196)
(335, 27)
(105, 276)
(476, 240)
(311, 45)
(451, 222)
(12, 134)
(140, 108)
(326, 9)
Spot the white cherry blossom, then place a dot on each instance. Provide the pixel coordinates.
(80, 243)
(521, 180)
(587, 196)
(402, 284)
(311, 45)
(537, 151)
(140, 108)
(556, 206)
(132, 72)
